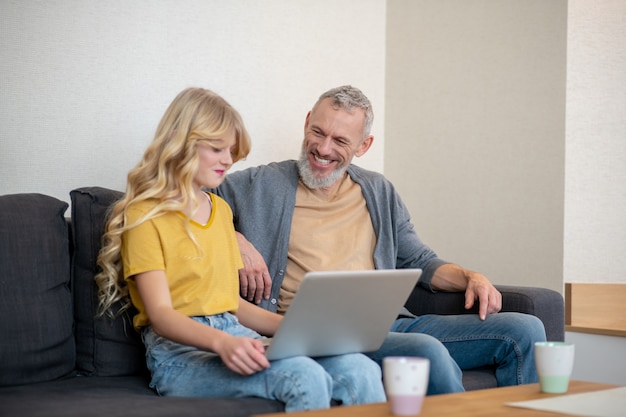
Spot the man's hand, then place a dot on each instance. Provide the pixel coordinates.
(479, 288)
(254, 278)
(451, 277)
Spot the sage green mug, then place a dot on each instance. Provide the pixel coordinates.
(554, 362)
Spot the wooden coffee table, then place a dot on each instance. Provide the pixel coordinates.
(483, 403)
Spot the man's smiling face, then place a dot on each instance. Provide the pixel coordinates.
(332, 137)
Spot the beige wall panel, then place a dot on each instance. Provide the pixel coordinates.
(474, 137)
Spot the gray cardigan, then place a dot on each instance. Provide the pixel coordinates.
(263, 198)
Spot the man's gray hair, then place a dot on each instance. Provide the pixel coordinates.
(347, 98)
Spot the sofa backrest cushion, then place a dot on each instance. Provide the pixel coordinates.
(104, 346)
(36, 339)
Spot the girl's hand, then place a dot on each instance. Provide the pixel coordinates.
(243, 355)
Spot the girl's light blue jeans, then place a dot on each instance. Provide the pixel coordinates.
(463, 342)
(300, 382)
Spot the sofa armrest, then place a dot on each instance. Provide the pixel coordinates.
(543, 303)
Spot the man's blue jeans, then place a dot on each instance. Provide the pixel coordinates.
(462, 342)
(300, 382)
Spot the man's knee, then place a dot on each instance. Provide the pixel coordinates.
(524, 328)
(413, 344)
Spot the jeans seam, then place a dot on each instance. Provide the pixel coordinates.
(348, 388)
(286, 378)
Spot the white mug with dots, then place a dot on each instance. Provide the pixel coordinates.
(406, 383)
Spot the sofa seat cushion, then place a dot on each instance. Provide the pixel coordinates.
(480, 378)
(36, 338)
(127, 396)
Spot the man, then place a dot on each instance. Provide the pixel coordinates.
(323, 213)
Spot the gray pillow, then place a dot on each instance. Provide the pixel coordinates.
(105, 347)
(36, 339)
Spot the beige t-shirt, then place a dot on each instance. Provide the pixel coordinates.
(332, 232)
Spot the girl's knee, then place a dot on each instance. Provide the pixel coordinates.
(365, 365)
(303, 369)
(355, 364)
(358, 379)
(363, 368)
(301, 383)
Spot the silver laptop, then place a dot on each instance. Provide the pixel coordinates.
(342, 312)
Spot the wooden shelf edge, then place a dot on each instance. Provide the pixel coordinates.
(593, 330)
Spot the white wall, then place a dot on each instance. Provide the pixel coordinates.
(595, 180)
(84, 83)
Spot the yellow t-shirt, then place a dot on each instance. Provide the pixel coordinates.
(203, 278)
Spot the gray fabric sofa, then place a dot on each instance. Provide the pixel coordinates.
(58, 359)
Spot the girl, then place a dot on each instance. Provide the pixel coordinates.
(171, 248)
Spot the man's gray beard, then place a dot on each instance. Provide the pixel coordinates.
(311, 180)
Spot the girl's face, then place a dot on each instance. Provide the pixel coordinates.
(215, 158)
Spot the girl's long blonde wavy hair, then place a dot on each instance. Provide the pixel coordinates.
(165, 174)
